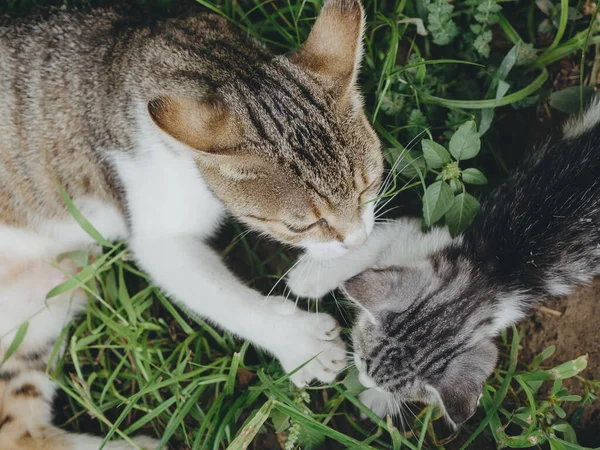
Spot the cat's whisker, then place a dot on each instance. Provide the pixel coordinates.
(383, 198)
(397, 411)
(285, 274)
(409, 409)
(387, 181)
(389, 199)
(402, 408)
(389, 177)
(383, 189)
(319, 264)
(308, 269)
(413, 141)
(393, 410)
(340, 309)
(388, 211)
(348, 366)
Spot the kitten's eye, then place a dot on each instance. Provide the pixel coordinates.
(318, 223)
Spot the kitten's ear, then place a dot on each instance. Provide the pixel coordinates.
(207, 126)
(376, 289)
(462, 383)
(333, 49)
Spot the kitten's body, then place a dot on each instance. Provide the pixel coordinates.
(434, 304)
(156, 127)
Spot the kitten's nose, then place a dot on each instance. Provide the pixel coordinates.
(356, 239)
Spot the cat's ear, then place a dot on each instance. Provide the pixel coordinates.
(207, 126)
(379, 289)
(333, 50)
(462, 383)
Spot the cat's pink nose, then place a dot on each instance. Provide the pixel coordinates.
(356, 239)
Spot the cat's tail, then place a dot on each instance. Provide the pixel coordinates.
(583, 123)
(26, 419)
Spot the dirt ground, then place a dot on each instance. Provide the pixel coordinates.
(572, 324)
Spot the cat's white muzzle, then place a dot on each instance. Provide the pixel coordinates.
(354, 240)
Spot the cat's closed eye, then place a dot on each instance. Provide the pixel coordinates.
(304, 229)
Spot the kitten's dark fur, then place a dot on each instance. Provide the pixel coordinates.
(430, 318)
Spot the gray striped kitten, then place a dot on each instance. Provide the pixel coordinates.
(157, 128)
(432, 305)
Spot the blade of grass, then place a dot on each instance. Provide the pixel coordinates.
(482, 104)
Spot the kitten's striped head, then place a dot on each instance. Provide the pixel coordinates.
(283, 141)
(425, 334)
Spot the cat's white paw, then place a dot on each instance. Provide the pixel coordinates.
(380, 402)
(308, 335)
(310, 279)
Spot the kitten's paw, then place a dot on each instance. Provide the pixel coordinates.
(309, 336)
(309, 279)
(380, 402)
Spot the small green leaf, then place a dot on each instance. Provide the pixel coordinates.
(351, 383)
(435, 155)
(503, 88)
(465, 143)
(281, 421)
(462, 212)
(410, 163)
(569, 100)
(14, 345)
(566, 370)
(560, 412)
(568, 432)
(508, 62)
(456, 186)
(547, 353)
(555, 444)
(421, 73)
(570, 368)
(487, 115)
(557, 386)
(437, 200)
(473, 176)
(570, 398)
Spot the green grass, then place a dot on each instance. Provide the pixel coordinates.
(138, 364)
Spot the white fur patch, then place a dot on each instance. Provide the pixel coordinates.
(580, 124)
(509, 311)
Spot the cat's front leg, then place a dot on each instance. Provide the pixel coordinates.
(196, 277)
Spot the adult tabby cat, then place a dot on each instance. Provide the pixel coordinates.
(156, 128)
(432, 305)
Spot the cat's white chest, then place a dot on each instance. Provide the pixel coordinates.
(166, 195)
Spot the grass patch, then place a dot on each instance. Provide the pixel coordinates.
(481, 78)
